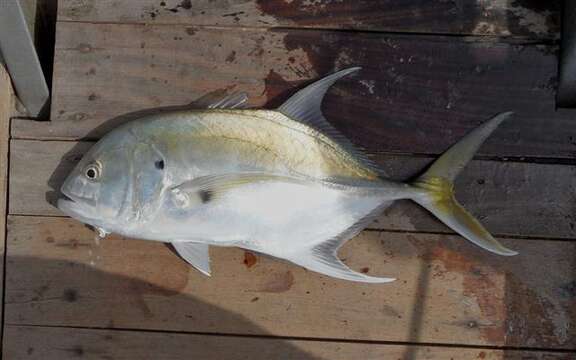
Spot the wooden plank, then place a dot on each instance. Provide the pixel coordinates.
(24, 342)
(447, 291)
(7, 109)
(518, 18)
(51, 343)
(510, 198)
(415, 94)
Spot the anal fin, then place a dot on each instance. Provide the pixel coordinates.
(195, 254)
(323, 259)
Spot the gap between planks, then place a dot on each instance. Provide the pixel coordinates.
(301, 338)
(468, 38)
(478, 18)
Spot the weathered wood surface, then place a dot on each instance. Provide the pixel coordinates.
(463, 17)
(7, 109)
(447, 291)
(39, 343)
(510, 198)
(414, 95)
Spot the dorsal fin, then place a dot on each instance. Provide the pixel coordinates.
(306, 107)
(220, 99)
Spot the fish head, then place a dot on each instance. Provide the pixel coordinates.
(115, 184)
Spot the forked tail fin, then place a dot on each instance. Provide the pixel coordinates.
(437, 188)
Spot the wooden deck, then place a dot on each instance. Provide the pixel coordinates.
(431, 72)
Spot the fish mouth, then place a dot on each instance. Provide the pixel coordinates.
(65, 204)
(76, 207)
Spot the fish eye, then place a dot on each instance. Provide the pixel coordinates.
(92, 171)
(159, 164)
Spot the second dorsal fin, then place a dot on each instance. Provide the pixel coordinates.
(306, 107)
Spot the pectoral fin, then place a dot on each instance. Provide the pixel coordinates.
(195, 254)
(205, 189)
(211, 188)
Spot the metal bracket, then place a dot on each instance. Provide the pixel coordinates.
(566, 96)
(19, 54)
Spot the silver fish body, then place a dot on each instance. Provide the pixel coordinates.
(281, 182)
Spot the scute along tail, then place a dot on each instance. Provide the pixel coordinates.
(436, 188)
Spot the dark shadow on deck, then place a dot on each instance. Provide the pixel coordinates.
(83, 296)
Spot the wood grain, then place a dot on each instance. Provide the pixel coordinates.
(510, 198)
(40, 343)
(7, 109)
(447, 290)
(415, 94)
(518, 18)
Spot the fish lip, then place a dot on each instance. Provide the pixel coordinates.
(74, 210)
(70, 197)
(72, 206)
(66, 204)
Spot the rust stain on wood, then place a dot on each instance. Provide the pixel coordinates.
(249, 259)
(478, 284)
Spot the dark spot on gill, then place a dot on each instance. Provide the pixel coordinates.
(159, 164)
(205, 195)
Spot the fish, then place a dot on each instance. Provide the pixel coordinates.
(281, 182)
